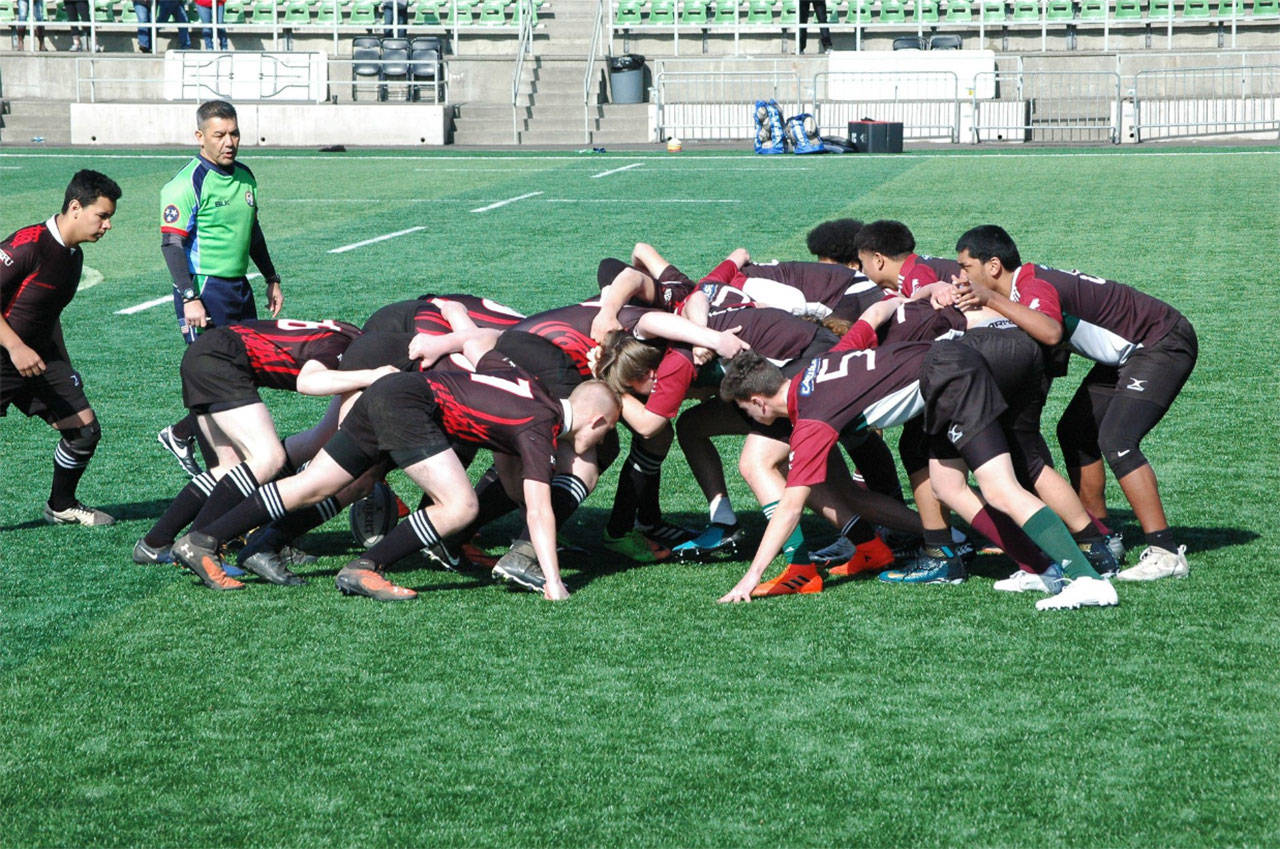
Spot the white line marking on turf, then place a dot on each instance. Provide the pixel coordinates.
(505, 202)
(167, 299)
(381, 238)
(641, 200)
(616, 170)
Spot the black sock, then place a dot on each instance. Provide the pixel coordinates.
(235, 486)
(184, 428)
(567, 492)
(180, 511)
(258, 509)
(68, 467)
(857, 531)
(1163, 539)
(637, 491)
(415, 532)
(1089, 536)
(296, 524)
(940, 540)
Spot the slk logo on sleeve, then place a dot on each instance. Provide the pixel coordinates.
(1136, 385)
(955, 434)
(170, 214)
(6, 259)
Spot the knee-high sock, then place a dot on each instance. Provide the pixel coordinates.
(235, 486)
(637, 491)
(1048, 532)
(69, 463)
(1004, 532)
(415, 532)
(180, 511)
(567, 492)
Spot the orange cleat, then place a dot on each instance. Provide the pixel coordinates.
(796, 578)
(402, 509)
(362, 577)
(868, 557)
(478, 555)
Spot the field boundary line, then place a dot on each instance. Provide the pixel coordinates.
(616, 170)
(384, 237)
(505, 202)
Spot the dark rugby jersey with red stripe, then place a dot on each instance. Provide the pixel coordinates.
(1103, 320)
(278, 349)
(422, 315)
(912, 321)
(38, 278)
(918, 271)
(775, 334)
(845, 391)
(569, 328)
(501, 407)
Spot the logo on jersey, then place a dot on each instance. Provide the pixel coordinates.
(6, 259)
(1136, 385)
(955, 434)
(810, 377)
(248, 196)
(170, 214)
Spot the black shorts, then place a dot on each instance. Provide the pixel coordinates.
(53, 395)
(375, 349)
(396, 418)
(543, 359)
(961, 398)
(1016, 361)
(216, 374)
(1157, 374)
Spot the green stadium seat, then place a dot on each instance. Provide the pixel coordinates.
(104, 11)
(859, 11)
(1093, 10)
(926, 11)
(1266, 9)
(662, 12)
(760, 12)
(8, 11)
(694, 12)
(1196, 9)
(892, 12)
(790, 12)
(1060, 10)
(426, 13)
(297, 12)
(1025, 10)
(493, 13)
(1161, 9)
(724, 11)
(128, 14)
(264, 11)
(627, 13)
(329, 12)
(1231, 9)
(994, 10)
(958, 10)
(363, 12)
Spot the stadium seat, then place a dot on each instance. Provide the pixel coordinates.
(1196, 9)
(994, 10)
(395, 65)
(424, 65)
(926, 11)
(104, 11)
(128, 14)
(366, 63)
(493, 13)
(892, 12)
(8, 11)
(1160, 9)
(760, 12)
(662, 12)
(1060, 10)
(627, 13)
(1231, 9)
(1129, 10)
(910, 42)
(363, 12)
(724, 11)
(297, 12)
(328, 12)
(1025, 10)
(1093, 10)
(790, 13)
(859, 12)
(425, 13)
(958, 10)
(232, 12)
(694, 12)
(264, 11)
(1266, 8)
(945, 42)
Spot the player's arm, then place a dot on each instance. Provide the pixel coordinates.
(315, 378)
(24, 358)
(1040, 326)
(262, 258)
(646, 257)
(627, 285)
(929, 290)
(174, 251)
(785, 518)
(642, 420)
(675, 328)
(542, 533)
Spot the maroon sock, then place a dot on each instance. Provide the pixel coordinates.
(1004, 532)
(1100, 525)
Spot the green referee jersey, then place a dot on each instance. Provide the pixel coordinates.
(213, 211)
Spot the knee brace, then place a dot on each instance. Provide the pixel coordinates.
(83, 440)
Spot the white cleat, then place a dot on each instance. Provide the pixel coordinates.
(77, 514)
(1029, 582)
(1156, 563)
(1081, 592)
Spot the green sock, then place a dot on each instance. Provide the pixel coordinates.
(1047, 531)
(794, 548)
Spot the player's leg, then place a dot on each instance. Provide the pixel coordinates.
(1077, 432)
(637, 500)
(252, 432)
(695, 428)
(79, 435)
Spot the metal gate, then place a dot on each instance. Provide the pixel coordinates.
(1205, 101)
(1048, 106)
(702, 105)
(927, 103)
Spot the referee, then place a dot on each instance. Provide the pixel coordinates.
(209, 231)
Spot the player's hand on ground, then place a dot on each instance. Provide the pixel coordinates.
(741, 590)
(601, 326)
(730, 345)
(555, 591)
(194, 313)
(275, 298)
(26, 361)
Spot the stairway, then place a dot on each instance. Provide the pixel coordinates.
(549, 109)
(28, 120)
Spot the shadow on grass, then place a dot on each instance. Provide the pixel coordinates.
(121, 512)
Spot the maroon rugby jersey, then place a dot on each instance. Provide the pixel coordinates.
(912, 321)
(849, 391)
(820, 282)
(775, 334)
(38, 278)
(503, 408)
(919, 270)
(569, 328)
(278, 348)
(1102, 320)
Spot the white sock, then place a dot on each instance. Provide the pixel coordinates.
(721, 511)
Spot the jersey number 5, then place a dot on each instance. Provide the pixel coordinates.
(841, 367)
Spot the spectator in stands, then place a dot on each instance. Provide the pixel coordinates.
(38, 7)
(395, 14)
(166, 10)
(77, 10)
(819, 12)
(204, 8)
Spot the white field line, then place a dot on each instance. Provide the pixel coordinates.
(616, 170)
(381, 238)
(505, 202)
(167, 299)
(641, 200)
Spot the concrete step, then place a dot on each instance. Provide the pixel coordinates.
(30, 120)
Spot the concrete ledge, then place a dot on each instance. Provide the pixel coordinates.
(266, 125)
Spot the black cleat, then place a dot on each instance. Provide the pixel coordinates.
(268, 566)
(519, 566)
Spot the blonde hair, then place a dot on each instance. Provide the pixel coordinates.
(624, 360)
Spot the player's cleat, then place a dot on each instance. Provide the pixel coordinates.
(363, 577)
(199, 553)
(269, 566)
(932, 567)
(77, 514)
(373, 516)
(903, 545)
(479, 556)
(1156, 563)
(1115, 542)
(797, 578)
(717, 539)
(145, 555)
(1050, 581)
(439, 556)
(838, 552)
(1081, 592)
(666, 534)
(519, 566)
(1101, 559)
(182, 449)
(636, 546)
(293, 557)
(871, 556)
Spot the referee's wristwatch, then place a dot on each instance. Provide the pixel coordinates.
(274, 278)
(189, 295)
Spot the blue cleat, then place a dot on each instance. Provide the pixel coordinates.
(934, 566)
(717, 539)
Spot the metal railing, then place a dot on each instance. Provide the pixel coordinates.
(588, 76)
(1205, 101)
(926, 102)
(525, 12)
(693, 105)
(1051, 106)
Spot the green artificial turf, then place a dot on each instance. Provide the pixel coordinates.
(139, 709)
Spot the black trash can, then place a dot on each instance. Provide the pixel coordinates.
(876, 136)
(626, 78)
